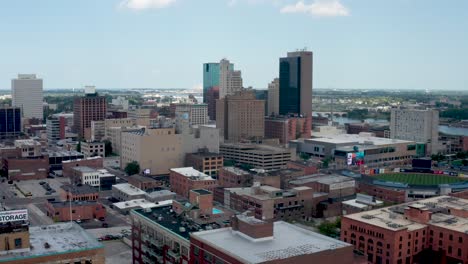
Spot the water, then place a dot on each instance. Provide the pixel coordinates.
(217, 211)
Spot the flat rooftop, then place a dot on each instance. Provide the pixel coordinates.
(142, 178)
(363, 139)
(140, 203)
(59, 204)
(255, 148)
(78, 189)
(191, 172)
(202, 191)
(165, 217)
(128, 189)
(236, 171)
(321, 178)
(288, 241)
(63, 238)
(84, 169)
(393, 217)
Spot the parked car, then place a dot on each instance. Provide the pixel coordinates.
(42, 182)
(105, 225)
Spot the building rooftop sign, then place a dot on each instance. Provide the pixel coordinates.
(13, 215)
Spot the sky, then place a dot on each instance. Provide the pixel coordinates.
(364, 44)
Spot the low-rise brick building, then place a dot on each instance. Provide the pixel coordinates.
(82, 192)
(204, 161)
(183, 180)
(229, 177)
(35, 168)
(80, 210)
(144, 182)
(251, 240)
(432, 230)
(92, 162)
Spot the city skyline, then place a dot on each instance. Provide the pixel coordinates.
(141, 43)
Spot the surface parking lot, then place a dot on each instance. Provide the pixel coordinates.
(37, 190)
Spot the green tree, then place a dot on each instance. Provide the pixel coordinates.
(78, 146)
(228, 163)
(304, 156)
(107, 148)
(132, 168)
(331, 229)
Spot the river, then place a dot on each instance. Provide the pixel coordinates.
(444, 129)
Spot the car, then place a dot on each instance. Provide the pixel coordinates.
(50, 177)
(78, 221)
(42, 182)
(102, 219)
(48, 193)
(10, 182)
(105, 225)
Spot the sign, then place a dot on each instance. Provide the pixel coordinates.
(13, 215)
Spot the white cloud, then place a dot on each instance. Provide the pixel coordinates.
(319, 8)
(146, 4)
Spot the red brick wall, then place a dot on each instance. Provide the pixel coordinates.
(96, 256)
(385, 194)
(95, 163)
(181, 185)
(27, 169)
(465, 143)
(228, 179)
(82, 212)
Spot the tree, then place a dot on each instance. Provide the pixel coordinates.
(132, 168)
(107, 148)
(304, 156)
(78, 146)
(330, 229)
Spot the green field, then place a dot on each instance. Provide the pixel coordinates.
(418, 178)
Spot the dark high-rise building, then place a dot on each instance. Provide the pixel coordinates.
(211, 86)
(295, 83)
(90, 107)
(10, 122)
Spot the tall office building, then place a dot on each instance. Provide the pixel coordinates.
(230, 81)
(211, 86)
(10, 122)
(55, 129)
(26, 93)
(416, 125)
(273, 98)
(295, 83)
(90, 107)
(241, 116)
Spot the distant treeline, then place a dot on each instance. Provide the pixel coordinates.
(455, 113)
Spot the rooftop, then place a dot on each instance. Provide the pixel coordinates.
(59, 204)
(202, 191)
(142, 178)
(141, 203)
(84, 169)
(191, 172)
(321, 178)
(236, 170)
(393, 218)
(288, 241)
(26, 142)
(363, 138)
(205, 154)
(255, 148)
(128, 189)
(168, 219)
(62, 238)
(75, 160)
(78, 189)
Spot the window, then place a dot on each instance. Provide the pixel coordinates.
(450, 250)
(18, 243)
(450, 237)
(459, 252)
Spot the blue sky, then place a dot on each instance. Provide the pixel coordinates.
(391, 44)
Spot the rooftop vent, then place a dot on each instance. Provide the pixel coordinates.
(366, 216)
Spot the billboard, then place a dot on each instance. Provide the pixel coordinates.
(13, 215)
(422, 164)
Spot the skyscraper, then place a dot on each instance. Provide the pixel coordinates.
(230, 81)
(295, 83)
(90, 107)
(211, 86)
(10, 122)
(273, 98)
(26, 93)
(241, 116)
(416, 125)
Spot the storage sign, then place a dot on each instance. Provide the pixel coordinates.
(13, 215)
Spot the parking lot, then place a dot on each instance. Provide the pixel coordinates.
(117, 252)
(37, 190)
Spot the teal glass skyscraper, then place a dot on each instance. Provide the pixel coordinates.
(211, 86)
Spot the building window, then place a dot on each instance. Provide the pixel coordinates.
(459, 252)
(18, 243)
(450, 237)
(450, 250)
